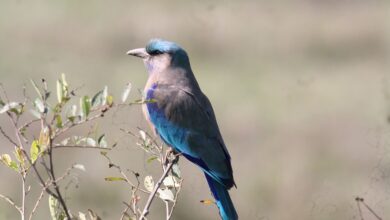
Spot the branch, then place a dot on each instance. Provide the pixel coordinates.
(9, 200)
(39, 199)
(81, 146)
(7, 137)
(145, 212)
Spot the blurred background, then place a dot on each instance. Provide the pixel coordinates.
(301, 91)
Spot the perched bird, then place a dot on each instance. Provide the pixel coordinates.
(184, 118)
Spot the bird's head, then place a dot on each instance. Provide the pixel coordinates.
(160, 54)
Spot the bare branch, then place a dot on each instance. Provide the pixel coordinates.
(145, 212)
(7, 137)
(11, 202)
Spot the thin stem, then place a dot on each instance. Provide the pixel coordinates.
(56, 188)
(9, 200)
(81, 146)
(23, 208)
(37, 202)
(145, 212)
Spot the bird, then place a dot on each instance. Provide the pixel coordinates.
(183, 117)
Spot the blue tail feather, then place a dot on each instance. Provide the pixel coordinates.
(223, 200)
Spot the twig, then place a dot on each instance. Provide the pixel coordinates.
(37, 202)
(7, 137)
(175, 199)
(145, 212)
(55, 185)
(81, 146)
(9, 200)
(369, 208)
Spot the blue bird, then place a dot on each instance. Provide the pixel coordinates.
(184, 118)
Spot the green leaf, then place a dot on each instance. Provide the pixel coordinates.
(36, 88)
(150, 159)
(110, 100)
(58, 121)
(54, 208)
(60, 92)
(126, 92)
(85, 103)
(114, 178)
(149, 183)
(34, 151)
(6, 160)
(19, 155)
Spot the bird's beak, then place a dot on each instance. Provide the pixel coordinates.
(139, 52)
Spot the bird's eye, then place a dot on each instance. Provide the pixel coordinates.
(155, 52)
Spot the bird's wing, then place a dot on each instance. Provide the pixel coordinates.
(186, 121)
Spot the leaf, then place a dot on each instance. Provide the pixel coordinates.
(171, 181)
(85, 103)
(166, 194)
(102, 141)
(87, 140)
(93, 215)
(60, 92)
(44, 138)
(176, 171)
(82, 216)
(105, 95)
(126, 92)
(149, 183)
(36, 88)
(64, 80)
(79, 167)
(71, 113)
(34, 151)
(110, 100)
(143, 134)
(151, 159)
(113, 178)
(35, 113)
(39, 105)
(10, 106)
(53, 207)
(6, 160)
(207, 202)
(58, 121)
(19, 155)
(97, 99)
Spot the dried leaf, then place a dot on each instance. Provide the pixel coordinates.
(171, 181)
(79, 167)
(10, 106)
(143, 135)
(207, 202)
(126, 92)
(166, 194)
(149, 183)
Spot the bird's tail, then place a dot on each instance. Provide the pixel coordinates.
(224, 203)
